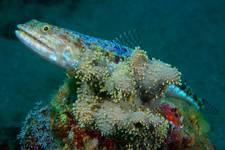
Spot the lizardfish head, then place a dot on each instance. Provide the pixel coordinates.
(55, 44)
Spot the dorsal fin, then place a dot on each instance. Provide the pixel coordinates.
(130, 39)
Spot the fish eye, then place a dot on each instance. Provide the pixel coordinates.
(46, 28)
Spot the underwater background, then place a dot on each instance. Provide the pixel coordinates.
(187, 34)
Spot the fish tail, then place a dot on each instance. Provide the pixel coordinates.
(175, 91)
(207, 107)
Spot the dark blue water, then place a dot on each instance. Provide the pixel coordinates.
(187, 34)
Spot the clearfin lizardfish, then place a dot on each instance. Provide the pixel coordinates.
(64, 47)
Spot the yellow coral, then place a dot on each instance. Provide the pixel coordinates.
(93, 66)
(85, 106)
(121, 84)
(152, 76)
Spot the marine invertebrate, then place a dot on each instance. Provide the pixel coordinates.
(85, 106)
(35, 133)
(170, 114)
(152, 76)
(114, 97)
(121, 83)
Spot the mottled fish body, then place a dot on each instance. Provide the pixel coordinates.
(61, 46)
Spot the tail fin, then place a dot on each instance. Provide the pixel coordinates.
(208, 107)
(204, 104)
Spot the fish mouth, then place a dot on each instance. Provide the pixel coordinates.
(34, 43)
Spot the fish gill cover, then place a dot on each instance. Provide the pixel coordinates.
(114, 97)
